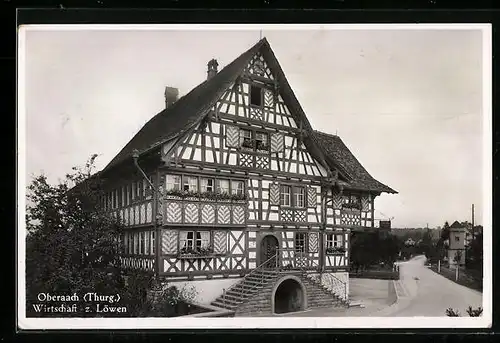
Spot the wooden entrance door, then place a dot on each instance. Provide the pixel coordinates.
(268, 249)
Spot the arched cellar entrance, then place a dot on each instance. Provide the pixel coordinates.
(289, 296)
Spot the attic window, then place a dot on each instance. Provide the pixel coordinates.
(255, 95)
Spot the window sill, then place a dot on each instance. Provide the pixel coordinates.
(194, 256)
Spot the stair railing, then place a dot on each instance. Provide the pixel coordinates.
(253, 273)
(333, 284)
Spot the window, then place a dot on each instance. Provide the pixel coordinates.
(190, 184)
(223, 186)
(207, 185)
(292, 196)
(124, 195)
(147, 245)
(139, 189)
(194, 240)
(145, 185)
(173, 182)
(300, 242)
(261, 141)
(333, 240)
(298, 193)
(286, 194)
(255, 95)
(127, 194)
(457, 238)
(141, 243)
(237, 187)
(352, 201)
(246, 138)
(123, 243)
(133, 191)
(153, 246)
(136, 243)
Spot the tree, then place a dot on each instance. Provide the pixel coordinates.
(445, 232)
(73, 247)
(475, 253)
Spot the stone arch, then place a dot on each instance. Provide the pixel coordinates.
(288, 295)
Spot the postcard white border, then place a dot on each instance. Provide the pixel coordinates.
(267, 322)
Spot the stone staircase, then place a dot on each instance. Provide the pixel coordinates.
(253, 294)
(320, 295)
(256, 282)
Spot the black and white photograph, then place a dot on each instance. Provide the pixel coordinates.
(254, 176)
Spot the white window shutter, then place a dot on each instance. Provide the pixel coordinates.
(232, 136)
(220, 242)
(274, 194)
(277, 142)
(312, 198)
(313, 242)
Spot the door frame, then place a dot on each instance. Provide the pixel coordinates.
(259, 245)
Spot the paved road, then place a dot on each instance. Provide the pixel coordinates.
(430, 294)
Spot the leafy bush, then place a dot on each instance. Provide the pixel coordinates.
(450, 312)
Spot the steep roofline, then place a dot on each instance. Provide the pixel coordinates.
(221, 79)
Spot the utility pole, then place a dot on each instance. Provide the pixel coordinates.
(473, 231)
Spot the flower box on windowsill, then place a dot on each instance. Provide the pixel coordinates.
(351, 210)
(335, 251)
(172, 197)
(195, 256)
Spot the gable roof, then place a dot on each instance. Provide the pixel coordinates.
(190, 109)
(457, 225)
(186, 111)
(338, 154)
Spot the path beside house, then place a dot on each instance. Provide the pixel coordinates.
(430, 294)
(424, 293)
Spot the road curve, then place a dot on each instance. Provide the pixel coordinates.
(430, 294)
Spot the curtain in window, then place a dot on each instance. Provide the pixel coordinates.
(205, 239)
(183, 239)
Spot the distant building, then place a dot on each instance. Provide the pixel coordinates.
(409, 242)
(457, 241)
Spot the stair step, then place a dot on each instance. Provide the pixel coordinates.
(233, 296)
(223, 305)
(258, 279)
(235, 293)
(229, 301)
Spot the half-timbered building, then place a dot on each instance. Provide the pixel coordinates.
(229, 189)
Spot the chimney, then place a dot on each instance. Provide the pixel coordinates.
(171, 95)
(212, 68)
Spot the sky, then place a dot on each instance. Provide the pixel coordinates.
(407, 103)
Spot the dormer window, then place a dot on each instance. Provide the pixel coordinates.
(255, 95)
